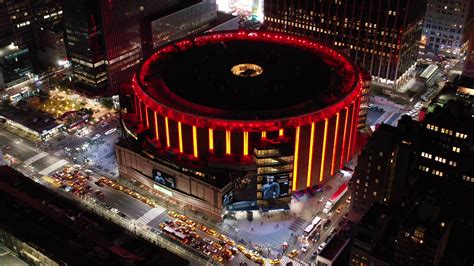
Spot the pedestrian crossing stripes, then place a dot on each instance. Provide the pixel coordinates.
(53, 167)
(35, 158)
(284, 260)
(150, 215)
(297, 224)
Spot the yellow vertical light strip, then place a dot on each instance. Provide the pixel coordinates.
(211, 139)
(227, 142)
(167, 129)
(264, 134)
(156, 125)
(246, 143)
(281, 132)
(323, 155)
(180, 136)
(295, 160)
(146, 117)
(334, 147)
(310, 159)
(195, 143)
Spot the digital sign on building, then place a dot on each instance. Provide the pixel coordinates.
(228, 198)
(274, 187)
(164, 179)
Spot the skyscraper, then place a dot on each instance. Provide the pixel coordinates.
(445, 26)
(382, 36)
(384, 165)
(104, 39)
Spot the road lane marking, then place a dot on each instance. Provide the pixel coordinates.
(53, 167)
(35, 158)
(150, 215)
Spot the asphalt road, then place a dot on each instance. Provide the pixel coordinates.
(133, 208)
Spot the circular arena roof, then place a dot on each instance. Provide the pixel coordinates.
(248, 79)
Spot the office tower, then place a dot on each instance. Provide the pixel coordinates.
(468, 71)
(447, 147)
(444, 29)
(104, 39)
(412, 234)
(48, 29)
(384, 165)
(175, 22)
(15, 42)
(381, 36)
(422, 234)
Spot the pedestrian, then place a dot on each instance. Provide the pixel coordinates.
(261, 223)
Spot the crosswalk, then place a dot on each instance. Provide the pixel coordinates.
(285, 259)
(297, 224)
(35, 158)
(53, 167)
(150, 215)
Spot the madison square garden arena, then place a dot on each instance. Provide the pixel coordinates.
(238, 120)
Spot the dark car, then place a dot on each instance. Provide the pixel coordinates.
(327, 223)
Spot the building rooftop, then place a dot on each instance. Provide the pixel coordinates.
(36, 121)
(247, 76)
(332, 250)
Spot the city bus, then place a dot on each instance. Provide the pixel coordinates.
(312, 227)
(180, 236)
(335, 198)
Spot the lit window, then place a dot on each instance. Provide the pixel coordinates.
(375, 193)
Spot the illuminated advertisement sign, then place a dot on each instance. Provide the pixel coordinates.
(164, 179)
(228, 198)
(274, 187)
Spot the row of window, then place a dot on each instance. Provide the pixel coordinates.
(446, 131)
(468, 178)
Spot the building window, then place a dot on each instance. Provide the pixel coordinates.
(456, 149)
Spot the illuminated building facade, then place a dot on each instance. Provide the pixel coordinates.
(240, 118)
(104, 40)
(445, 26)
(380, 36)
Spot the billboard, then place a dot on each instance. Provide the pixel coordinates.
(228, 198)
(164, 179)
(274, 187)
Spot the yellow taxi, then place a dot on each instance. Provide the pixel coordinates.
(201, 227)
(172, 214)
(211, 232)
(274, 261)
(217, 258)
(258, 259)
(222, 237)
(217, 246)
(242, 248)
(293, 253)
(230, 242)
(191, 223)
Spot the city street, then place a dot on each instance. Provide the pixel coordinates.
(40, 163)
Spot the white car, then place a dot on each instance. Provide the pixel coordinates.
(114, 210)
(320, 248)
(305, 247)
(110, 131)
(96, 136)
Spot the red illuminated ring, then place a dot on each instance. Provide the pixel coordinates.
(196, 118)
